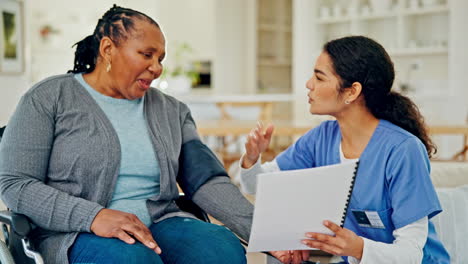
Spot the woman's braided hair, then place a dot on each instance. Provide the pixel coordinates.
(116, 23)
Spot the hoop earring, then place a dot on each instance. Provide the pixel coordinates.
(347, 102)
(109, 67)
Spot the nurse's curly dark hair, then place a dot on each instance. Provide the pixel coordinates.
(361, 59)
(116, 23)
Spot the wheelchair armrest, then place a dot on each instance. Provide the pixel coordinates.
(19, 223)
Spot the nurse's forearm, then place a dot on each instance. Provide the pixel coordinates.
(248, 177)
(406, 248)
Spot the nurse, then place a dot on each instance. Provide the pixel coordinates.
(393, 201)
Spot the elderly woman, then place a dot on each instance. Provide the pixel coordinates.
(93, 158)
(352, 81)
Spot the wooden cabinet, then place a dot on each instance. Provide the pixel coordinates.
(404, 28)
(273, 46)
(423, 37)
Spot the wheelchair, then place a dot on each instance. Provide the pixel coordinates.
(17, 248)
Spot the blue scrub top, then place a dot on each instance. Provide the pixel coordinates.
(392, 180)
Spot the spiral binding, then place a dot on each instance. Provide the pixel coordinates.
(349, 194)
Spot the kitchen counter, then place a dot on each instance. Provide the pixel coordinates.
(249, 98)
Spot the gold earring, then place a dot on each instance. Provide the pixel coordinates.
(109, 66)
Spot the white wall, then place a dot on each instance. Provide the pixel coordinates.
(303, 59)
(229, 65)
(13, 86)
(189, 21)
(11, 89)
(458, 76)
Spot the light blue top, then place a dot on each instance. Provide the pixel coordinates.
(139, 173)
(392, 179)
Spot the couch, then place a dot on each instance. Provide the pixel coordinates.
(451, 182)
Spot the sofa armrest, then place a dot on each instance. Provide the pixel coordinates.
(449, 174)
(451, 224)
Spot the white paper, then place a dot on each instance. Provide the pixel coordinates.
(290, 203)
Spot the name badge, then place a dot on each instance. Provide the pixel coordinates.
(368, 219)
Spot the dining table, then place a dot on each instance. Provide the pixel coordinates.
(287, 131)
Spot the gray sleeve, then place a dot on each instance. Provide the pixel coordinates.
(189, 129)
(218, 196)
(24, 161)
(223, 200)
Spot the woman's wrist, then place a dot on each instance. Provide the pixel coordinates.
(359, 249)
(246, 163)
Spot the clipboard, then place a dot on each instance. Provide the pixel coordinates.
(290, 203)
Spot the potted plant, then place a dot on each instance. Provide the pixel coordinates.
(179, 76)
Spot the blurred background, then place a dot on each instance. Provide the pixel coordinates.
(250, 59)
(238, 61)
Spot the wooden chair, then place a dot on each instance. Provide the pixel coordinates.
(266, 109)
(461, 155)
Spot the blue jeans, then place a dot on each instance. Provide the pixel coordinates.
(182, 240)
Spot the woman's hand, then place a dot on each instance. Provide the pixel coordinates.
(291, 256)
(344, 243)
(257, 142)
(121, 225)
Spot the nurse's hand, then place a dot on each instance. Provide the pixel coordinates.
(291, 256)
(344, 243)
(257, 142)
(124, 226)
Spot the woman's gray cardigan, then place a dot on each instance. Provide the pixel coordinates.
(60, 158)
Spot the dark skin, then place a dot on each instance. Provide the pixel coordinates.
(134, 64)
(124, 226)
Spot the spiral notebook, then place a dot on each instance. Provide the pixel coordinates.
(290, 203)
